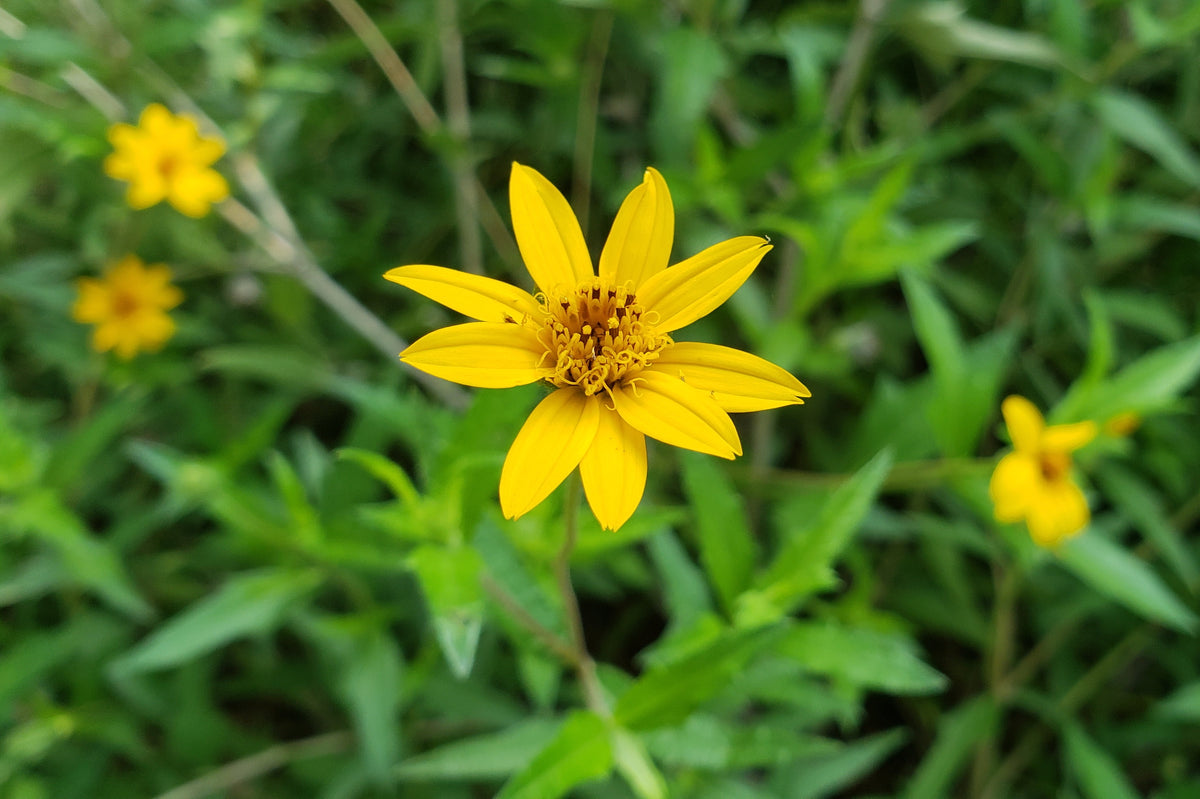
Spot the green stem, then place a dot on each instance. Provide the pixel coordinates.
(585, 667)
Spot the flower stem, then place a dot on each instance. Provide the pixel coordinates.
(585, 667)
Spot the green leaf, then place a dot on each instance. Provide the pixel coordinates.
(20, 458)
(727, 548)
(450, 580)
(302, 516)
(692, 63)
(1099, 776)
(818, 777)
(1148, 384)
(967, 381)
(862, 658)
(1148, 213)
(251, 603)
(1137, 122)
(666, 695)
(958, 733)
(1115, 573)
(385, 471)
(580, 752)
(88, 561)
(805, 561)
(370, 683)
(1143, 507)
(483, 757)
(684, 589)
(1100, 341)
(709, 743)
(73, 455)
(1182, 705)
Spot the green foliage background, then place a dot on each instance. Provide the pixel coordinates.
(266, 562)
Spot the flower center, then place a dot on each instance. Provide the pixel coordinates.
(598, 336)
(1054, 465)
(124, 304)
(167, 164)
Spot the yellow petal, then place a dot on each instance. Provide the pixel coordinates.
(154, 329)
(639, 244)
(1015, 484)
(550, 445)
(156, 120)
(738, 381)
(146, 189)
(483, 354)
(614, 470)
(479, 297)
(128, 343)
(120, 166)
(206, 151)
(547, 231)
(683, 293)
(193, 191)
(1068, 437)
(1059, 513)
(106, 336)
(1024, 422)
(93, 304)
(664, 407)
(122, 136)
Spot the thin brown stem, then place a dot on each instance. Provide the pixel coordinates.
(458, 122)
(551, 640)
(32, 88)
(1006, 579)
(585, 667)
(589, 111)
(248, 768)
(391, 64)
(1033, 745)
(426, 117)
(1040, 654)
(858, 49)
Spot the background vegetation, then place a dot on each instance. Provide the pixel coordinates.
(268, 562)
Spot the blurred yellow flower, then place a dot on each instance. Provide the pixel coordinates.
(165, 158)
(1033, 483)
(128, 306)
(603, 340)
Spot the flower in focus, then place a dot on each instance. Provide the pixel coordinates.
(1033, 483)
(128, 306)
(164, 157)
(603, 340)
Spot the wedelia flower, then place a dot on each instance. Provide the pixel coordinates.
(164, 157)
(1033, 483)
(128, 306)
(604, 343)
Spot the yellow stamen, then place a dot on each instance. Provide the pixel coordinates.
(597, 336)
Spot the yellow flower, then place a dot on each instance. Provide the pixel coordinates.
(165, 158)
(604, 343)
(129, 307)
(1033, 482)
